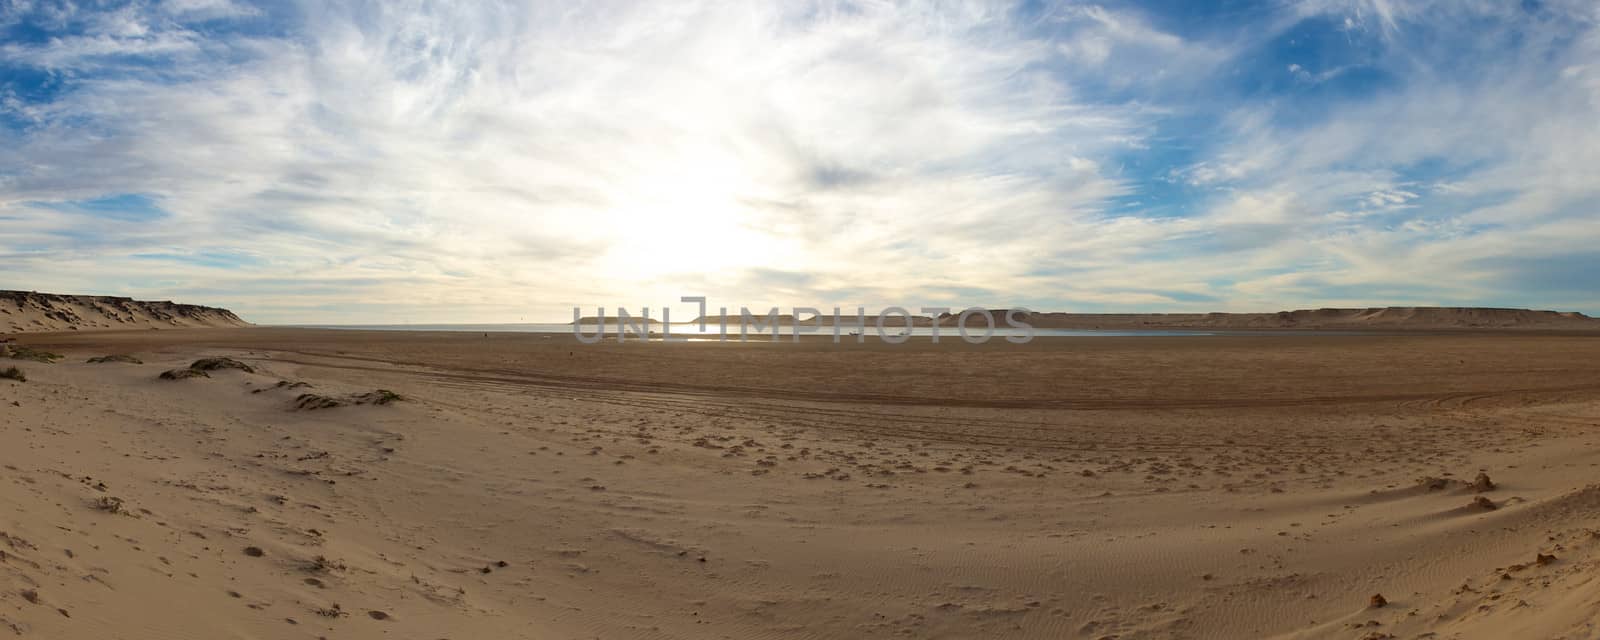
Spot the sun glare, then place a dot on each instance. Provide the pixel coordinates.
(691, 217)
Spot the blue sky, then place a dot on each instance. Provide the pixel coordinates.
(489, 162)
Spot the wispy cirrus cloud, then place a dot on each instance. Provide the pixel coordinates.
(493, 161)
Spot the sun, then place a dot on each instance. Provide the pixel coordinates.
(696, 218)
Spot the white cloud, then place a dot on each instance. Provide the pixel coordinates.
(1513, 139)
(545, 155)
(502, 160)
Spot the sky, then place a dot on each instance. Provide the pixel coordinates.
(481, 161)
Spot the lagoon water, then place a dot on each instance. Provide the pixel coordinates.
(694, 331)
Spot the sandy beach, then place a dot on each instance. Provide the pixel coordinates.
(527, 486)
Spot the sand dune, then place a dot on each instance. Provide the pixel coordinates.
(519, 487)
(1375, 318)
(27, 311)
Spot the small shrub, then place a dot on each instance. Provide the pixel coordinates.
(213, 364)
(312, 402)
(184, 374)
(115, 358)
(19, 352)
(13, 373)
(381, 396)
(332, 612)
(109, 504)
(321, 564)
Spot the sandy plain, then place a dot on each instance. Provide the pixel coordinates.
(528, 486)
